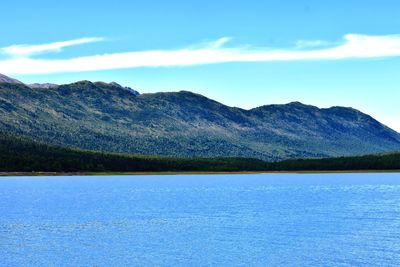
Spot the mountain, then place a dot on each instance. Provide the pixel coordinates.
(109, 117)
(42, 85)
(5, 79)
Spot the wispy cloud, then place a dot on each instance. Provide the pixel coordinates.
(352, 46)
(29, 50)
(311, 43)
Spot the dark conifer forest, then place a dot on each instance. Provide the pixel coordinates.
(18, 154)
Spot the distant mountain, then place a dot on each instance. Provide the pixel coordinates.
(109, 117)
(42, 85)
(5, 79)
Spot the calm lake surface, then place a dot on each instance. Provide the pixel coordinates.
(201, 220)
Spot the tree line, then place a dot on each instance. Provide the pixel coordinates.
(18, 154)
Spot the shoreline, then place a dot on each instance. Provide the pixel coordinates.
(19, 174)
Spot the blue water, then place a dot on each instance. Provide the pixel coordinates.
(201, 220)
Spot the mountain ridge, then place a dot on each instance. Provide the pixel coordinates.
(6, 79)
(106, 117)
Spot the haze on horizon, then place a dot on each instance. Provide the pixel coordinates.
(242, 53)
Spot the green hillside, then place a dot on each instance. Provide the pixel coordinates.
(21, 155)
(111, 118)
(368, 162)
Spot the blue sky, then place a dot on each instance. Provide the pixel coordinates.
(241, 53)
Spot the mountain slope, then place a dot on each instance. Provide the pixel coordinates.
(109, 117)
(6, 79)
(22, 155)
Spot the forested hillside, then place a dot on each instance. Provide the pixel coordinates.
(21, 155)
(111, 118)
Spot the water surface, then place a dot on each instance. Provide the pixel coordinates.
(201, 220)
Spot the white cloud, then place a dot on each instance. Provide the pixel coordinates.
(352, 46)
(311, 43)
(29, 50)
(219, 43)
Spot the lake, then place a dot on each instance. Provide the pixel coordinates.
(201, 220)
